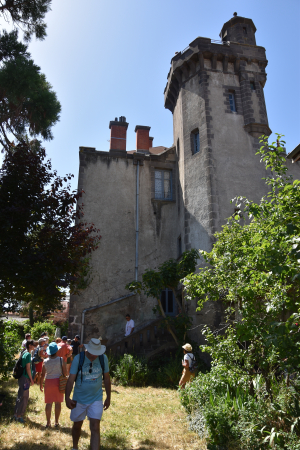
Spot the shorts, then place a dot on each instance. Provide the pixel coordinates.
(186, 376)
(92, 411)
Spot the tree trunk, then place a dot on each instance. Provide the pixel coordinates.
(164, 315)
(30, 315)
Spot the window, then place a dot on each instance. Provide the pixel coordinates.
(244, 30)
(195, 142)
(178, 149)
(163, 184)
(168, 302)
(179, 247)
(232, 101)
(252, 85)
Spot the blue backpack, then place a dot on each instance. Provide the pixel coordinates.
(81, 362)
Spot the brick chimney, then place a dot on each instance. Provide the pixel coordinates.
(142, 137)
(118, 129)
(151, 142)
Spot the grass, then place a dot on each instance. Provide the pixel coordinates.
(138, 419)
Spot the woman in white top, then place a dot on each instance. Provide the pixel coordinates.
(186, 362)
(53, 368)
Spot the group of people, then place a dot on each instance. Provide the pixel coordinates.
(46, 364)
(84, 370)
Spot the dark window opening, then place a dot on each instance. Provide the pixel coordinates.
(195, 142)
(163, 184)
(179, 247)
(232, 101)
(178, 149)
(168, 302)
(244, 30)
(252, 85)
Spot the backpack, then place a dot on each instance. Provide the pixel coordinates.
(19, 369)
(81, 362)
(36, 358)
(193, 365)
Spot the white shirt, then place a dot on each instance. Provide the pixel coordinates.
(129, 326)
(189, 357)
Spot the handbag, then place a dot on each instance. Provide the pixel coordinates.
(62, 380)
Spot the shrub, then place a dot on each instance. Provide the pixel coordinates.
(39, 327)
(131, 371)
(9, 346)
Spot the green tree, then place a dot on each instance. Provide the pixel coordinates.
(254, 268)
(168, 275)
(27, 102)
(44, 242)
(28, 15)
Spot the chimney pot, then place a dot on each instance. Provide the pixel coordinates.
(142, 137)
(118, 130)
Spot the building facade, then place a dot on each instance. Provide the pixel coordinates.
(152, 203)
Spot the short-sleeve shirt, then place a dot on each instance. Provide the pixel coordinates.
(90, 390)
(189, 357)
(63, 350)
(75, 345)
(26, 358)
(129, 326)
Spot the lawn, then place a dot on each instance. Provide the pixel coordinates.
(138, 419)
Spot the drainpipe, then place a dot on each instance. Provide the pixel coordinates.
(137, 220)
(99, 306)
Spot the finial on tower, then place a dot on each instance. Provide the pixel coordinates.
(235, 14)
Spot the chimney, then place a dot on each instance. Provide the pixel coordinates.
(118, 129)
(151, 142)
(142, 137)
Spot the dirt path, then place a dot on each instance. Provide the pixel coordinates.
(138, 419)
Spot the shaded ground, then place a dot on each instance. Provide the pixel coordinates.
(138, 419)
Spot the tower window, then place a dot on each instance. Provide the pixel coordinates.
(244, 30)
(195, 142)
(163, 184)
(232, 101)
(168, 302)
(252, 85)
(178, 149)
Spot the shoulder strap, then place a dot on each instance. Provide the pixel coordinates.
(81, 361)
(101, 359)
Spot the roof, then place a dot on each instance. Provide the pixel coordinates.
(152, 150)
(294, 154)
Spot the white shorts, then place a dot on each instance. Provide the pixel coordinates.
(93, 411)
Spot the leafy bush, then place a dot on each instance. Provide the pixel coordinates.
(10, 344)
(39, 327)
(130, 371)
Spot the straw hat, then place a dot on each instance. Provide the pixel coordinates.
(94, 347)
(187, 347)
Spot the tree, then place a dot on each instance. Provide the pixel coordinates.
(44, 243)
(27, 102)
(254, 268)
(28, 15)
(168, 275)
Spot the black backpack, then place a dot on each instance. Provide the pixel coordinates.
(81, 361)
(194, 365)
(19, 369)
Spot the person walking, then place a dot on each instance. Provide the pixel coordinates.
(53, 368)
(187, 362)
(75, 343)
(25, 381)
(129, 328)
(64, 349)
(87, 372)
(38, 360)
(27, 338)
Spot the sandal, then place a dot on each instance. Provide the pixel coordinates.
(48, 426)
(57, 425)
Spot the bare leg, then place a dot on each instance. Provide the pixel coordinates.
(57, 412)
(76, 432)
(38, 377)
(48, 413)
(95, 434)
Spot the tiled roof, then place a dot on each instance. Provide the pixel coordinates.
(153, 150)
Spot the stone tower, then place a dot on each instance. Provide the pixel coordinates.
(215, 92)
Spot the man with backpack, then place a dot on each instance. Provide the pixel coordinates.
(189, 365)
(87, 370)
(23, 372)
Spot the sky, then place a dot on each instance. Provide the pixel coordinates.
(109, 59)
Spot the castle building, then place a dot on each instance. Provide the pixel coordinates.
(152, 203)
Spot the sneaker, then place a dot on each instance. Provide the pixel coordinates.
(21, 420)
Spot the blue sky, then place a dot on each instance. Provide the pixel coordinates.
(106, 59)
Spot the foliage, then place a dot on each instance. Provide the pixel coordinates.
(232, 418)
(9, 347)
(168, 275)
(27, 101)
(39, 327)
(254, 268)
(130, 371)
(28, 15)
(43, 241)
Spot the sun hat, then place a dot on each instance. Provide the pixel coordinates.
(94, 347)
(187, 347)
(52, 348)
(41, 340)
